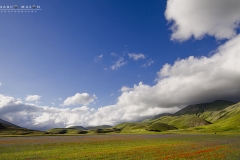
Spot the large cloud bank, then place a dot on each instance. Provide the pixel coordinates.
(218, 18)
(187, 81)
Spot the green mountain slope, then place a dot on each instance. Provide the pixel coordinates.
(98, 127)
(205, 110)
(8, 123)
(6, 129)
(183, 121)
(225, 120)
(159, 127)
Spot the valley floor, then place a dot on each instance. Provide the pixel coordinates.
(122, 146)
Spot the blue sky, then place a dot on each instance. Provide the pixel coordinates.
(71, 47)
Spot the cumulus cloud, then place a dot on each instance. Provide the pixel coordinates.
(187, 81)
(40, 117)
(30, 98)
(125, 89)
(120, 62)
(136, 57)
(218, 18)
(79, 98)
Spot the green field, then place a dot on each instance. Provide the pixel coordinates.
(122, 146)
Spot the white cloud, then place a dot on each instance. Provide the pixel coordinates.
(125, 89)
(111, 94)
(136, 57)
(32, 98)
(120, 62)
(0, 84)
(188, 81)
(60, 99)
(113, 54)
(79, 98)
(99, 57)
(218, 18)
(148, 63)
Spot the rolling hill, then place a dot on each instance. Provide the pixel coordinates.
(11, 129)
(7, 123)
(221, 115)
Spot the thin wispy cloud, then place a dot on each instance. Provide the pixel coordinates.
(113, 54)
(136, 56)
(120, 62)
(98, 58)
(148, 63)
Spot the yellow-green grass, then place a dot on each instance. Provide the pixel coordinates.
(161, 146)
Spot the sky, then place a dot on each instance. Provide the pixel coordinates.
(103, 62)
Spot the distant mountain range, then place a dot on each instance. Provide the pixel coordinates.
(217, 116)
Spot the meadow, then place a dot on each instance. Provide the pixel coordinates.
(122, 146)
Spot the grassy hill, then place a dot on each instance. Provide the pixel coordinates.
(225, 120)
(66, 131)
(216, 116)
(131, 127)
(7, 123)
(6, 129)
(183, 121)
(159, 127)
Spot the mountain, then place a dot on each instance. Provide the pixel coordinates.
(8, 123)
(195, 115)
(203, 115)
(205, 109)
(225, 120)
(7, 128)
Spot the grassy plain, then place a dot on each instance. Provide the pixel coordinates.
(122, 146)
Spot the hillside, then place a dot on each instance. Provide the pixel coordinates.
(7, 123)
(226, 120)
(199, 116)
(98, 127)
(6, 129)
(66, 131)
